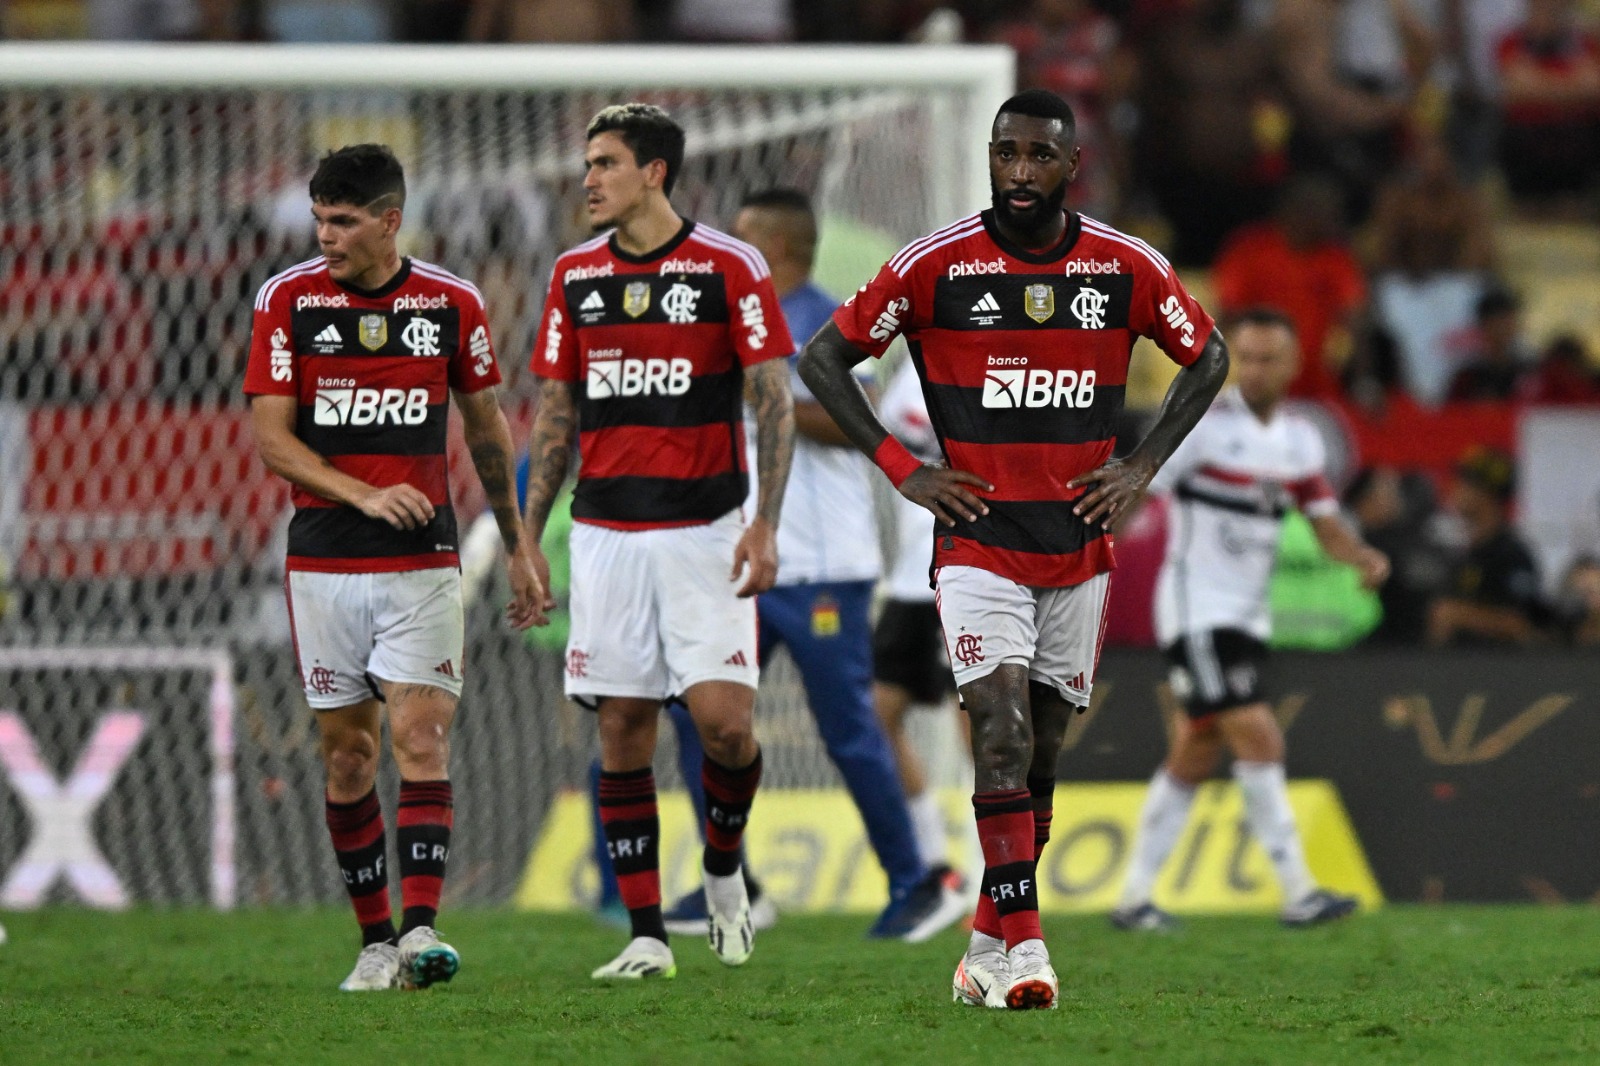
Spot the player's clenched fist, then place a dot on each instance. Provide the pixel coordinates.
(757, 550)
(402, 506)
(946, 493)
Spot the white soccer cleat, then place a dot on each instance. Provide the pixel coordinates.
(983, 974)
(729, 926)
(425, 959)
(645, 956)
(1033, 980)
(377, 970)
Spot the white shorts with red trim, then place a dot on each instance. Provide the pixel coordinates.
(654, 611)
(990, 620)
(351, 631)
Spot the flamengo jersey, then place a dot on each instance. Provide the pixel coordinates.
(656, 346)
(1023, 358)
(1232, 480)
(373, 374)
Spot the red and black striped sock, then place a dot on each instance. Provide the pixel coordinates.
(1043, 791)
(1005, 829)
(360, 848)
(729, 794)
(426, 816)
(633, 831)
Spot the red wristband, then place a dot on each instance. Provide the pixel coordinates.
(894, 460)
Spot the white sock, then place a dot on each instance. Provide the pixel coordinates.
(1266, 804)
(1161, 822)
(927, 824)
(724, 893)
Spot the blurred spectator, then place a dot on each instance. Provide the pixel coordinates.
(433, 21)
(1579, 605)
(1395, 514)
(1550, 82)
(1214, 128)
(1493, 595)
(1499, 357)
(551, 21)
(1352, 69)
(1431, 245)
(1564, 374)
(1469, 34)
(142, 20)
(1301, 261)
(1075, 51)
(727, 21)
(327, 21)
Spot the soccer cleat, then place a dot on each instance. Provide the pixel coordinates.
(687, 917)
(729, 926)
(1033, 980)
(1144, 918)
(425, 959)
(1317, 907)
(937, 902)
(645, 956)
(377, 969)
(983, 974)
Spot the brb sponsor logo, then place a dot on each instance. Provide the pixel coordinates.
(339, 403)
(638, 377)
(1022, 387)
(888, 323)
(975, 266)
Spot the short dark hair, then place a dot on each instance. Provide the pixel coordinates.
(797, 205)
(1497, 300)
(1041, 103)
(360, 174)
(649, 132)
(1264, 315)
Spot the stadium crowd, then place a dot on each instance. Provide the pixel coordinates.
(1357, 163)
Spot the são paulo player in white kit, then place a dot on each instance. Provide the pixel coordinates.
(1231, 482)
(354, 358)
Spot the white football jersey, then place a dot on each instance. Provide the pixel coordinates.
(905, 414)
(1230, 484)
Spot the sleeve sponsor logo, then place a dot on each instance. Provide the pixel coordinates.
(1178, 319)
(280, 339)
(754, 317)
(552, 337)
(888, 323)
(482, 351)
(282, 364)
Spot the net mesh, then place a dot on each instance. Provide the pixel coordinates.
(137, 227)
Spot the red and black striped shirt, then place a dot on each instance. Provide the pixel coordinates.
(657, 345)
(1024, 358)
(372, 372)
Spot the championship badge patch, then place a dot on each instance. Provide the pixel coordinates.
(636, 298)
(1039, 301)
(372, 331)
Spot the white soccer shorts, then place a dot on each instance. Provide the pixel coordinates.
(352, 630)
(654, 611)
(990, 620)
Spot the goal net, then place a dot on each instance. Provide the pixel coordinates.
(154, 745)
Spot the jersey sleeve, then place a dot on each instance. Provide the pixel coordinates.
(759, 330)
(1312, 492)
(1164, 311)
(474, 366)
(555, 354)
(877, 314)
(270, 369)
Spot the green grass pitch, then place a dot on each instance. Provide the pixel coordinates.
(1404, 985)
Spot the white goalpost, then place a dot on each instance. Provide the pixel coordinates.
(146, 193)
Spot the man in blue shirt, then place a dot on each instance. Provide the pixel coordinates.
(828, 562)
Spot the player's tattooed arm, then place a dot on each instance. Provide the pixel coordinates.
(489, 442)
(767, 387)
(825, 367)
(1115, 489)
(549, 452)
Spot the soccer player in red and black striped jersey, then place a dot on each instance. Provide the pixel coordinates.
(354, 357)
(652, 334)
(1020, 321)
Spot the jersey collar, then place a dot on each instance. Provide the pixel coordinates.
(401, 276)
(1015, 251)
(658, 253)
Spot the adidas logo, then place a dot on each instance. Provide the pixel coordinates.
(988, 303)
(736, 659)
(593, 302)
(328, 336)
(447, 668)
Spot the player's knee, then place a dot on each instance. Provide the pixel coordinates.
(421, 748)
(1253, 734)
(728, 741)
(352, 763)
